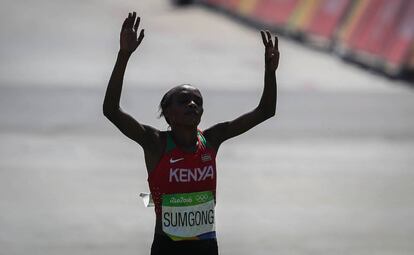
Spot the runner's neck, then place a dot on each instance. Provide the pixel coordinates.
(185, 139)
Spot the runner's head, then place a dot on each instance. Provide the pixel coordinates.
(182, 105)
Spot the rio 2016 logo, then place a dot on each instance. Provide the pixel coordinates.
(175, 200)
(201, 198)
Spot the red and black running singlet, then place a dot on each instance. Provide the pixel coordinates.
(183, 187)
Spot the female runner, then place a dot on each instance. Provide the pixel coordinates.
(181, 162)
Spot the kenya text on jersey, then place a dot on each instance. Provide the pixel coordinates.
(194, 174)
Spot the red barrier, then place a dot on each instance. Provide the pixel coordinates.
(400, 47)
(384, 22)
(327, 18)
(351, 22)
(246, 7)
(304, 12)
(410, 64)
(375, 31)
(274, 12)
(364, 24)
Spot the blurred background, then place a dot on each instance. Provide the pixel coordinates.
(332, 173)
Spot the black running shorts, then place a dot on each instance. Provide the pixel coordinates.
(163, 245)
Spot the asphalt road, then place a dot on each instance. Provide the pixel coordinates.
(332, 173)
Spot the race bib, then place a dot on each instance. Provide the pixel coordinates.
(188, 216)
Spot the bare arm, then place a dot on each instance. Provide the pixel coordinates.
(267, 105)
(142, 134)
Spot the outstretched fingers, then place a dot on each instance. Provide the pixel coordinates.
(134, 14)
(269, 38)
(276, 43)
(129, 22)
(137, 24)
(263, 38)
(125, 23)
(141, 36)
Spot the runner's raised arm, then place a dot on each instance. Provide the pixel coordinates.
(267, 105)
(145, 135)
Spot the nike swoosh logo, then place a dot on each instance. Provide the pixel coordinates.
(172, 161)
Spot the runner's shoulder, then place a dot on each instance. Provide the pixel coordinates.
(154, 139)
(154, 152)
(213, 135)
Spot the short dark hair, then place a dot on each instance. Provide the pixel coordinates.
(165, 102)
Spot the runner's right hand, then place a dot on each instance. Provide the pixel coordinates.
(129, 41)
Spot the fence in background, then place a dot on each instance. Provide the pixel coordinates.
(376, 33)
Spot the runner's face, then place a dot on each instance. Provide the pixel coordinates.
(186, 107)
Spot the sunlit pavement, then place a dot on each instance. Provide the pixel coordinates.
(332, 173)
